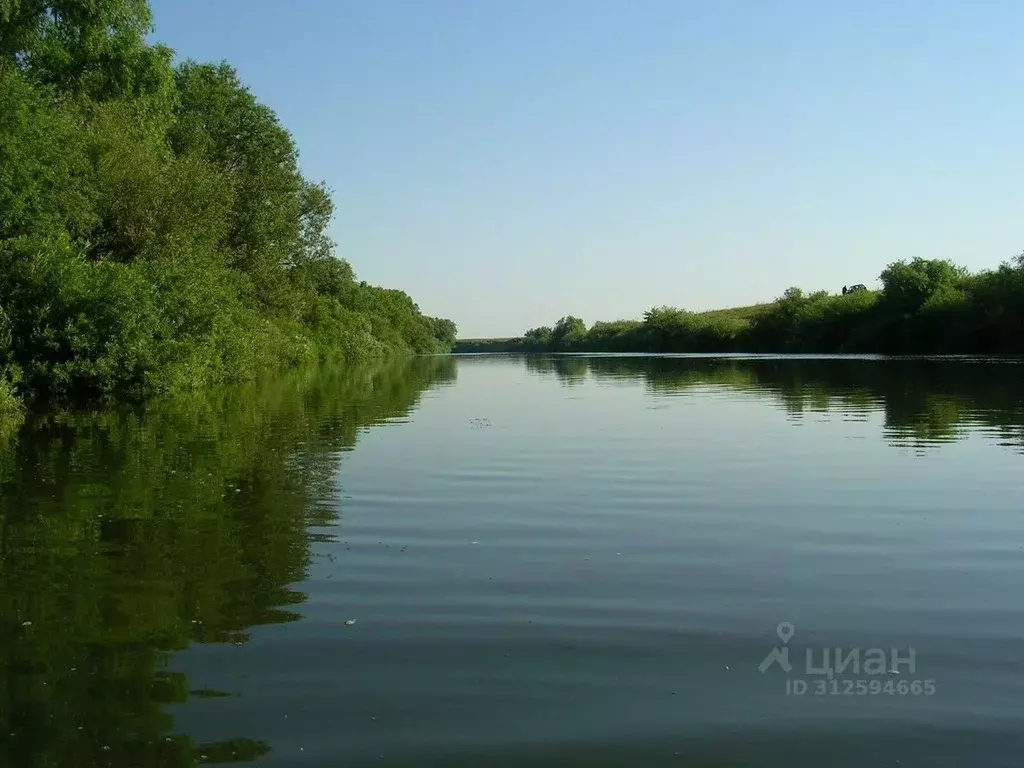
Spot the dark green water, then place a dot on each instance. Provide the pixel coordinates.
(549, 561)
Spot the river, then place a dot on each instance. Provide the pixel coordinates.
(545, 561)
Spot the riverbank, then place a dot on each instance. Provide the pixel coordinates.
(156, 233)
(925, 307)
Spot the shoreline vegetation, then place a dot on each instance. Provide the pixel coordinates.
(926, 306)
(156, 233)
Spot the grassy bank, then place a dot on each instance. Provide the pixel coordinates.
(155, 230)
(925, 307)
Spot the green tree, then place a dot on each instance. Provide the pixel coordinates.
(568, 332)
(444, 331)
(44, 164)
(908, 286)
(220, 120)
(95, 48)
(538, 338)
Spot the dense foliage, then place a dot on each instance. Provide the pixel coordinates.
(155, 230)
(926, 306)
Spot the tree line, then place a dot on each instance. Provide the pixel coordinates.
(155, 230)
(926, 306)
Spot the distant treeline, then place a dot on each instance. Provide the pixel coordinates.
(926, 306)
(155, 230)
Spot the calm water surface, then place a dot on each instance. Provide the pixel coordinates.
(576, 561)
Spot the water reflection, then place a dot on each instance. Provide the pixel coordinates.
(127, 535)
(924, 401)
(571, 567)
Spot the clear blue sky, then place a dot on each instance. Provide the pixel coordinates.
(508, 162)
